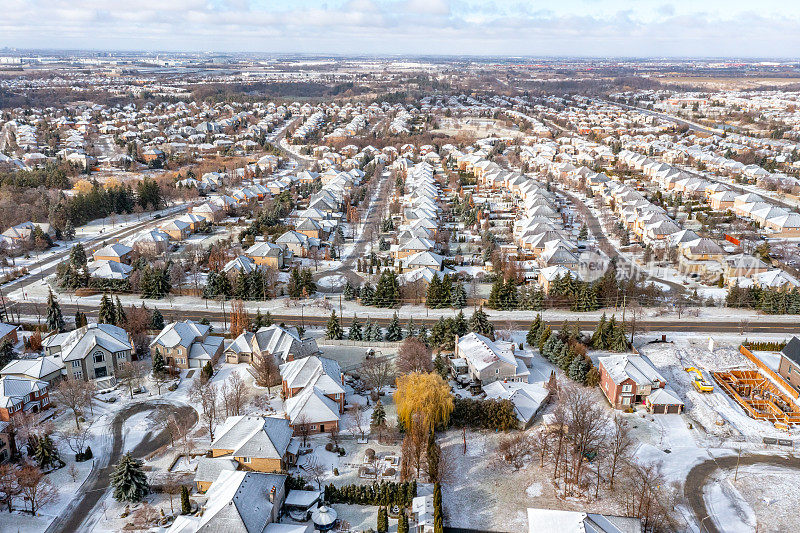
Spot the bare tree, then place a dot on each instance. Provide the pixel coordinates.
(172, 487)
(359, 421)
(619, 446)
(587, 423)
(413, 356)
(541, 444)
(414, 446)
(145, 517)
(267, 372)
(315, 469)
(73, 472)
(512, 449)
(9, 484)
(72, 394)
(132, 374)
(303, 428)
(180, 432)
(206, 395)
(377, 373)
(333, 434)
(237, 391)
(646, 492)
(76, 438)
(35, 488)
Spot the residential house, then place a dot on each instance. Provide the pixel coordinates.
(95, 351)
(21, 395)
(187, 344)
(528, 398)
(282, 343)
(176, 229)
(44, 368)
(257, 443)
(489, 360)
(628, 379)
(542, 520)
(269, 254)
(789, 364)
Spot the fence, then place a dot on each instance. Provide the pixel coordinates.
(365, 344)
(771, 373)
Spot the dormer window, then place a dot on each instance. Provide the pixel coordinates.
(99, 356)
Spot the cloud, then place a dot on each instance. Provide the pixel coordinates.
(571, 27)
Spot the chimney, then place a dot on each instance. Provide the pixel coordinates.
(272, 494)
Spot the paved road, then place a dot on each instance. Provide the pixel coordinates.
(607, 247)
(699, 476)
(97, 483)
(521, 320)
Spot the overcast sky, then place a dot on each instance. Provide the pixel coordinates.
(641, 28)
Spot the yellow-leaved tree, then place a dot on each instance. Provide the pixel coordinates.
(425, 393)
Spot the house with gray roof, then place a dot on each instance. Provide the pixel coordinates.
(94, 351)
(187, 344)
(282, 343)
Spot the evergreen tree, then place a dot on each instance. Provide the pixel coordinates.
(119, 314)
(383, 520)
(349, 292)
(394, 333)
(55, 320)
(584, 233)
(402, 522)
(378, 415)
(578, 369)
(107, 313)
(423, 335)
(411, 328)
(496, 294)
(387, 293)
(446, 291)
(458, 296)
(618, 341)
(45, 452)
(333, 330)
(367, 294)
(460, 325)
(438, 513)
(207, 372)
(479, 323)
(354, 333)
(433, 298)
(532, 338)
(158, 363)
(80, 319)
(547, 332)
(69, 231)
(6, 352)
(599, 341)
(186, 506)
(129, 480)
(157, 320)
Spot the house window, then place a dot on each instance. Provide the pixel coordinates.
(121, 355)
(76, 364)
(626, 400)
(79, 375)
(99, 357)
(496, 370)
(626, 388)
(245, 459)
(313, 427)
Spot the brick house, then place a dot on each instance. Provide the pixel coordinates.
(628, 379)
(18, 395)
(314, 392)
(789, 365)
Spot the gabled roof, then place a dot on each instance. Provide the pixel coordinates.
(313, 371)
(33, 368)
(482, 351)
(262, 437)
(239, 501)
(181, 333)
(636, 367)
(79, 343)
(311, 406)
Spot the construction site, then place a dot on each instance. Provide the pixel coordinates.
(759, 397)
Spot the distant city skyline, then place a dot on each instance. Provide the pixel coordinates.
(588, 28)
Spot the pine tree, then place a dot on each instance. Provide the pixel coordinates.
(158, 363)
(80, 319)
(534, 331)
(354, 333)
(578, 369)
(460, 325)
(438, 513)
(107, 313)
(69, 231)
(496, 294)
(411, 329)
(367, 294)
(547, 332)
(333, 330)
(55, 320)
(186, 506)
(45, 452)
(129, 480)
(394, 333)
(446, 291)
(207, 372)
(458, 296)
(378, 415)
(479, 323)
(119, 314)
(598, 337)
(433, 298)
(157, 320)
(584, 233)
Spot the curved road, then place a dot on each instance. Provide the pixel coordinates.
(97, 483)
(698, 478)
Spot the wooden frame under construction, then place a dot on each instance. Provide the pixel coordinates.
(759, 397)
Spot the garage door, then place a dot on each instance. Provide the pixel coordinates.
(674, 409)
